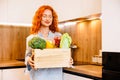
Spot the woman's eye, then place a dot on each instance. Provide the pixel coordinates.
(50, 16)
(47, 16)
(44, 16)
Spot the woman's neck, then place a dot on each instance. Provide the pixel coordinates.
(44, 31)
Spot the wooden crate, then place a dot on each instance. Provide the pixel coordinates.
(52, 58)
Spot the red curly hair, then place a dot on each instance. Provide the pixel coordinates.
(36, 23)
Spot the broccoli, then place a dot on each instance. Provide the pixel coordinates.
(37, 43)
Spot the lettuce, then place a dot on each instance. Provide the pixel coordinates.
(65, 41)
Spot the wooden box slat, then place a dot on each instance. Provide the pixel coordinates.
(52, 58)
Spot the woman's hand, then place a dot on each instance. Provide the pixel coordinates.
(31, 61)
(71, 62)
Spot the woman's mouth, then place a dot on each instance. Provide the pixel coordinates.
(47, 22)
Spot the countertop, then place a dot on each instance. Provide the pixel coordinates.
(87, 70)
(11, 64)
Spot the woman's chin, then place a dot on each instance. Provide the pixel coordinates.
(46, 25)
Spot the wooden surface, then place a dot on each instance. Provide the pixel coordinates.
(13, 42)
(11, 63)
(52, 58)
(91, 70)
(87, 35)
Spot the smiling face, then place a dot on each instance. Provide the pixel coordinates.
(47, 18)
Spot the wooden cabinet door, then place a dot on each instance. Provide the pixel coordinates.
(74, 77)
(14, 74)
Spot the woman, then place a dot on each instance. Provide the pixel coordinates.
(44, 25)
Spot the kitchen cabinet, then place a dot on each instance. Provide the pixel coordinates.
(74, 77)
(75, 9)
(10, 10)
(3, 11)
(14, 74)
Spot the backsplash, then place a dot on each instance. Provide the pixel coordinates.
(87, 36)
(13, 41)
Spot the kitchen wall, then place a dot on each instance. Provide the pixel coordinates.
(86, 36)
(14, 11)
(111, 25)
(13, 41)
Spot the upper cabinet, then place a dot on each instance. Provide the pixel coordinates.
(12, 11)
(71, 9)
(3, 11)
